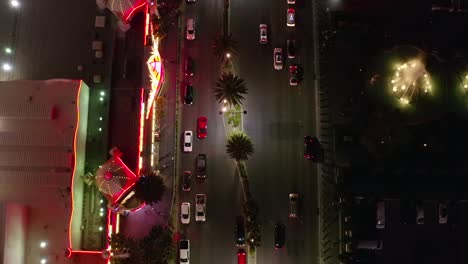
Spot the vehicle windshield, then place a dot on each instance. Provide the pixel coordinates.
(187, 144)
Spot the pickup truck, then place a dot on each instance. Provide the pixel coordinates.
(200, 207)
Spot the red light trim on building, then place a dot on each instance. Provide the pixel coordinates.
(147, 25)
(156, 71)
(74, 169)
(142, 126)
(133, 10)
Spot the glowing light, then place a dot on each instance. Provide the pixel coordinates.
(100, 228)
(100, 129)
(228, 55)
(153, 133)
(7, 67)
(43, 261)
(100, 118)
(133, 10)
(147, 25)
(8, 50)
(101, 209)
(224, 109)
(43, 244)
(101, 99)
(142, 126)
(103, 93)
(15, 3)
(74, 169)
(409, 80)
(156, 70)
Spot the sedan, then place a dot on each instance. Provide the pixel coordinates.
(443, 213)
(290, 17)
(241, 256)
(188, 139)
(291, 2)
(293, 75)
(278, 58)
(202, 125)
(312, 148)
(291, 48)
(263, 34)
(184, 251)
(293, 205)
(185, 213)
(186, 181)
(280, 235)
(188, 94)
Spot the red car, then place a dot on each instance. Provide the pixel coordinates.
(202, 126)
(241, 257)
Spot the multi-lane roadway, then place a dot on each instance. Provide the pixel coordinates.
(278, 117)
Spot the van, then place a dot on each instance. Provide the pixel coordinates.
(190, 29)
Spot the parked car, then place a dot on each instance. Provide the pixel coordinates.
(419, 214)
(280, 235)
(193, 1)
(185, 213)
(291, 48)
(184, 251)
(201, 163)
(190, 32)
(241, 256)
(263, 34)
(312, 149)
(189, 66)
(293, 75)
(188, 139)
(186, 181)
(202, 126)
(293, 205)
(278, 58)
(380, 212)
(200, 208)
(291, 2)
(443, 213)
(188, 94)
(240, 231)
(290, 17)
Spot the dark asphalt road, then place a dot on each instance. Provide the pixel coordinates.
(279, 116)
(213, 240)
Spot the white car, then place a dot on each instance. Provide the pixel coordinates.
(200, 208)
(291, 2)
(290, 17)
(184, 251)
(188, 140)
(190, 29)
(278, 58)
(380, 215)
(263, 34)
(185, 213)
(443, 213)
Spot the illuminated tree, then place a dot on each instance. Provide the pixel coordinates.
(410, 80)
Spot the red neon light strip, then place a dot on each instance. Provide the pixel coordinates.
(147, 25)
(134, 9)
(85, 252)
(123, 192)
(142, 125)
(74, 169)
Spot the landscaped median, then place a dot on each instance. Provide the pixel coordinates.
(229, 92)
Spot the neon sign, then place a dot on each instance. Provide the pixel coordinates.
(156, 72)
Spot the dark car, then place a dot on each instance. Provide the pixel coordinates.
(291, 47)
(240, 231)
(189, 66)
(312, 149)
(201, 166)
(188, 94)
(280, 235)
(186, 181)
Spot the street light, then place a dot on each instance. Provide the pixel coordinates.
(8, 50)
(7, 67)
(14, 3)
(228, 55)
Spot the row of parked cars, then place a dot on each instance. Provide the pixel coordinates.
(411, 212)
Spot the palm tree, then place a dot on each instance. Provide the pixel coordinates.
(239, 146)
(230, 88)
(223, 45)
(150, 188)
